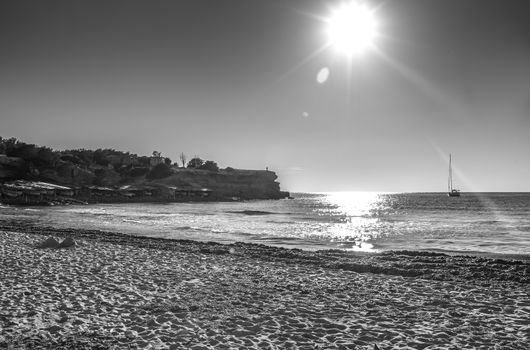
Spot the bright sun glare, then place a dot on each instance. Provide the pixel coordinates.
(351, 28)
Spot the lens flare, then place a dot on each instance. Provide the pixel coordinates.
(323, 75)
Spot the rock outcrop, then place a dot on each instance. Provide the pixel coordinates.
(50, 242)
(67, 243)
(229, 184)
(68, 174)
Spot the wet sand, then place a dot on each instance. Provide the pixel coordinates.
(118, 291)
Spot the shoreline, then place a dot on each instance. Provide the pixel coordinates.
(18, 226)
(407, 263)
(114, 291)
(13, 224)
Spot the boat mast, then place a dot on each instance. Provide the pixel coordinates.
(450, 179)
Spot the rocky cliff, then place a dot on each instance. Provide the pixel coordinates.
(228, 184)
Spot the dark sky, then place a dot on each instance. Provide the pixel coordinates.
(235, 82)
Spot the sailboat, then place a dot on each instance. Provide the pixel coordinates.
(451, 192)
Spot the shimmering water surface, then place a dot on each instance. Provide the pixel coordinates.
(476, 222)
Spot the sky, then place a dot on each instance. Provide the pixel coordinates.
(235, 81)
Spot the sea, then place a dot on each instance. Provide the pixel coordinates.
(476, 223)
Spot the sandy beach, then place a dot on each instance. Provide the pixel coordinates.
(114, 291)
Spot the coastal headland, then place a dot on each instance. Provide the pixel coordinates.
(117, 291)
(36, 175)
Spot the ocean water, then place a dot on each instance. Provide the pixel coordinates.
(497, 223)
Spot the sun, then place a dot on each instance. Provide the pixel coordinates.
(351, 28)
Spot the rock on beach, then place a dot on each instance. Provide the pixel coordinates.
(67, 242)
(50, 242)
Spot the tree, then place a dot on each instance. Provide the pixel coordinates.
(167, 161)
(46, 157)
(86, 156)
(25, 151)
(9, 145)
(71, 158)
(100, 157)
(183, 159)
(209, 165)
(160, 171)
(195, 162)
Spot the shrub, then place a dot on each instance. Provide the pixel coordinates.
(195, 163)
(136, 172)
(209, 165)
(160, 171)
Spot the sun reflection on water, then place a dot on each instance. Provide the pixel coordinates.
(356, 220)
(354, 204)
